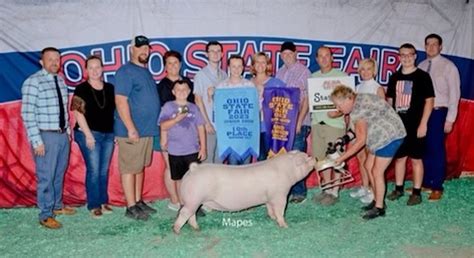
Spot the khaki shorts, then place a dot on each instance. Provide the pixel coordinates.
(134, 157)
(321, 136)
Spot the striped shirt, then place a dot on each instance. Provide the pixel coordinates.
(40, 105)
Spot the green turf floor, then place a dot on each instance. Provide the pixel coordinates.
(441, 229)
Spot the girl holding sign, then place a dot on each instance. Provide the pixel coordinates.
(236, 67)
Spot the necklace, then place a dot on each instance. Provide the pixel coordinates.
(96, 100)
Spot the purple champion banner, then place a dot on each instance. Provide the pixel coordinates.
(280, 114)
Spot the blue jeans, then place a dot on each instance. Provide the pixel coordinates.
(434, 160)
(50, 170)
(264, 147)
(299, 189)
(97, 163)
(212, 153)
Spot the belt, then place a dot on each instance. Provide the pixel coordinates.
(54, 130)
(440, 108)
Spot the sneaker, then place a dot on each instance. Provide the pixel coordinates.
(369, 206)
(106, 209)
(374, 213)
(414, 200)
(174, 206)
(329, 200)
(96, 213)
(423, 189)
(318, 197)
(298, 199)
(50, 223)
(136, 213)
(145, 208)
(368, 198)
(394, 195)
(359, 192)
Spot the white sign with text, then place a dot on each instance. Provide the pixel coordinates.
(320, 89)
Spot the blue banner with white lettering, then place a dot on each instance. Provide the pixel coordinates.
(280, 114)
(237, 119)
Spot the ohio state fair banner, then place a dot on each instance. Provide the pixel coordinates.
(320, 89)
(280, 114)
(237, 122)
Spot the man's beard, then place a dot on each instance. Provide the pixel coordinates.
(143, 60)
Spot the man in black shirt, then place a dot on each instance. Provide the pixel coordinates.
(410, 92)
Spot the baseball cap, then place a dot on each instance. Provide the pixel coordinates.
(140, 40)
(288, 45)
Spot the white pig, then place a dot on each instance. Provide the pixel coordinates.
(234, 188)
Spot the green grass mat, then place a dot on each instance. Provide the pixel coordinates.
(439, 229)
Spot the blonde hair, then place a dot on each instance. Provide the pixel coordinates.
(342, 92)
(268, 69)
(368, 62)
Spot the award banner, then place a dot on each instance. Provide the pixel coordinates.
(237, 122)
(320, 89)
(280, 114)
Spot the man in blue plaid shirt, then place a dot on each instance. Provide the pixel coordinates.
(45, 116)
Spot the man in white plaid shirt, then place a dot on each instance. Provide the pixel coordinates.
(45, 116)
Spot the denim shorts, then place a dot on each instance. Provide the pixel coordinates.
(389, 150)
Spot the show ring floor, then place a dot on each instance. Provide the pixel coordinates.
(438, 229)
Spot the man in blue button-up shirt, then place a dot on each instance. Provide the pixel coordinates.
(42, 94)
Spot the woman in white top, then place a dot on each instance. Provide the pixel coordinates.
(367, 72)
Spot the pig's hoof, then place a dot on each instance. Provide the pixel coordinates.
(176, 230)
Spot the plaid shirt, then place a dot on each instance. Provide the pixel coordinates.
(40, 105)
(296, 76)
